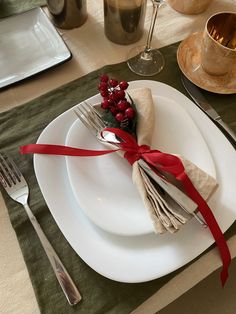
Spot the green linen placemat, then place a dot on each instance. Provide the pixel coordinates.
(10, 7)
(23, 125)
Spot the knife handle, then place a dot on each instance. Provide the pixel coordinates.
(226, 128)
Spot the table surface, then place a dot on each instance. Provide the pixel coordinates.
(16, 292)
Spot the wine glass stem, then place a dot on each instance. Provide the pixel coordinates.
(156, 5)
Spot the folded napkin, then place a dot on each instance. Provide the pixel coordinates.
(165, 214)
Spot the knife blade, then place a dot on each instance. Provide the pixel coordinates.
(203, 104)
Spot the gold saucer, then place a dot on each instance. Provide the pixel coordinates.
(189, 60)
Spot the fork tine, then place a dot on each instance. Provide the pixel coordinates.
(84, 120)
(5, 172)
(3, 179)
(86, 112)
(9, 170)
(91, 117)
(13, 167)
(97, 114)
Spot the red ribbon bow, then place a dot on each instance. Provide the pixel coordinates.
(157, 160)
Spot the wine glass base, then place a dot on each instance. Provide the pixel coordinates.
(145, 63)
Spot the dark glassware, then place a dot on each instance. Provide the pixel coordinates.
(68, 14)
(124, 20)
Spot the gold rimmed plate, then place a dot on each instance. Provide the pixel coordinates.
(189, 60)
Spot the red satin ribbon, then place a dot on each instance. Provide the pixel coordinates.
(157, 160)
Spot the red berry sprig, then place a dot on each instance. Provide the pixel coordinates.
(114, 99)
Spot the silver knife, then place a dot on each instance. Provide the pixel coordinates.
(203, 104)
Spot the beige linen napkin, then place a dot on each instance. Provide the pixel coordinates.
(164, 212)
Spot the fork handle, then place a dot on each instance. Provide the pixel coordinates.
(71, 292)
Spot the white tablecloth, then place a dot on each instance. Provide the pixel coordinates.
(91, 50)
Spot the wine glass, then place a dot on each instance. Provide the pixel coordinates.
(144, 60)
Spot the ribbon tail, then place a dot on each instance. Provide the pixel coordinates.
(62, 150)
(161, 161)
(212, 224)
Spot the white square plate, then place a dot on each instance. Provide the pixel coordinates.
(29, 44)
(145, 257)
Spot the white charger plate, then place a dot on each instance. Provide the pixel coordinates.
(103, 186)
(140, 258)
(29, 44)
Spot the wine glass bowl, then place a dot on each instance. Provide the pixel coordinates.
(144, 60)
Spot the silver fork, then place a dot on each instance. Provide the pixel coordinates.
(17, 188)
(92, 119)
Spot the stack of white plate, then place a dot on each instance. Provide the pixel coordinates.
(100, 212)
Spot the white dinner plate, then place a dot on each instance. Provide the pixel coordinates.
(103, 185)
(29, 44)
(138, 258)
